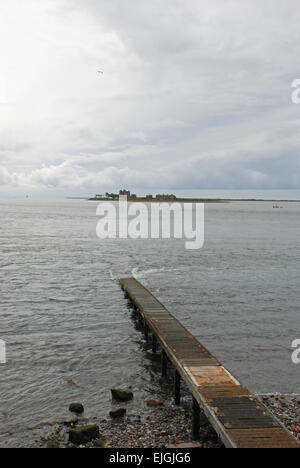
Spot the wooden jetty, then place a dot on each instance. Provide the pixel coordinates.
(239, 418)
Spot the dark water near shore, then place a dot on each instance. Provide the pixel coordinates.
(64, 316)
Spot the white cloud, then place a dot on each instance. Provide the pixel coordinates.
(5, 177)
(193, 95)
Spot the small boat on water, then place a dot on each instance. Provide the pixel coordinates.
(276, 206)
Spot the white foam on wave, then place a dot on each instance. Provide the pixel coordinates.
(137, 273)
(112, 276)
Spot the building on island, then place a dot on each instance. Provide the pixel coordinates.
(115, 196)
(125, 192)
(133, 196)
(111, 196)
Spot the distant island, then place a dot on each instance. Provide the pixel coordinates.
(172, 198)
(132, 197)
(161, 197)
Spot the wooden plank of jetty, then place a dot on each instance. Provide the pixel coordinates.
(239, 418)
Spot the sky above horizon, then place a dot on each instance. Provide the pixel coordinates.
(194, 95)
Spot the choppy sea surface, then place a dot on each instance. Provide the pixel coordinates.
(63, 315)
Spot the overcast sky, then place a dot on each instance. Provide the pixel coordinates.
(195, 94)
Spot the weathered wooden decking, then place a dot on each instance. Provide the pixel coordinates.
(238, 417)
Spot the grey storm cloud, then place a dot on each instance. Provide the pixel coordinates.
(194, 94)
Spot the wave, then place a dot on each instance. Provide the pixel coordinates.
(112, 276)
(137, 273)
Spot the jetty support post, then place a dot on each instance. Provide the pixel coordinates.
(140, 318)
(146, 329)
(164, 363)
(154, 343)
(177, 380)
(196, 419)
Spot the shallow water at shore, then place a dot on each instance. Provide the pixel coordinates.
(64, 316)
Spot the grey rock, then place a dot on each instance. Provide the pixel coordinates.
(52, 444)
(76, 408)
(119, 413)
(121, 395)
(84, 434)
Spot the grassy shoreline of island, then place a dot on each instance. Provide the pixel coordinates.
(154, 200)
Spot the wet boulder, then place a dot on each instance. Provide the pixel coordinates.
(120, 394)
(76, 408)
(84, 434)
(117, 414)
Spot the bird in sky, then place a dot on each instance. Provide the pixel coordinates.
(100, 72)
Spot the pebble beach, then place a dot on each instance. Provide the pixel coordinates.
(166, 427)
(287, 409)
(162, 426)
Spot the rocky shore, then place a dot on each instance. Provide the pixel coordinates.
(160, 424)
(287, 409)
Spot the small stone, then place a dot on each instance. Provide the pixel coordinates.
(71, 422)
(185, 445)
(119, 413)
(84, 434)
(153, 402)
(76, 408)
(121, 394)
(71, 383)
(101, 442)
(52, 444)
